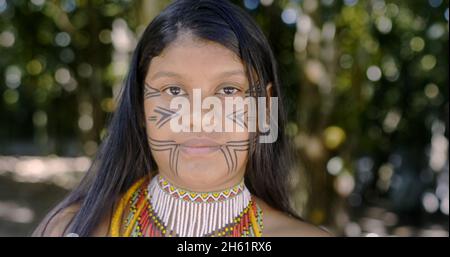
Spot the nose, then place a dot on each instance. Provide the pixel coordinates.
(210, 113)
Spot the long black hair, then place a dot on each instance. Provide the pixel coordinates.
(124, 155)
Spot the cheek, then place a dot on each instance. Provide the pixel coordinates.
(150, 118)
(149, 106)
(156, 118)
(161, 158)
(159, 115)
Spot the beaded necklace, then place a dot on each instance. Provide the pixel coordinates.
(157, 208)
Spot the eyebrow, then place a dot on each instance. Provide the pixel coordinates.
(161, 74)
(232, 73)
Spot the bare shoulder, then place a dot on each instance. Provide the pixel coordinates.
(55, 225)
(277, 223)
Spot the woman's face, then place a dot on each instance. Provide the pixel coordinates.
(198, 161)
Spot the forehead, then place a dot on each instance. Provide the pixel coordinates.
(193, 57)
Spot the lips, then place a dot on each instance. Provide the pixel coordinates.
(199, 146)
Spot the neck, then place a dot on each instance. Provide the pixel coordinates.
(198, 182)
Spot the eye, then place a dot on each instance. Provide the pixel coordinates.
(175, 91)
(228, 91)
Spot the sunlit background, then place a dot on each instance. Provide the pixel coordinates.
(367, 87)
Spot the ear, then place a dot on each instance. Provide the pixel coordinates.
(269, 90)
(269, 93)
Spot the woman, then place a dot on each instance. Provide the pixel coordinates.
(148, 180)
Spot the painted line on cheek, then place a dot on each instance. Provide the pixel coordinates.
(233, 146)
(150, 92)
(167, 145)
(238, 117)
(166, 115)
(227, 158)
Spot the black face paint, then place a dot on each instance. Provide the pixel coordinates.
(165, 115)
(150, 92)
(238, 117)
(167, 145)
(229, 151)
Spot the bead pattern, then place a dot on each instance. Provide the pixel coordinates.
(142, 217)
